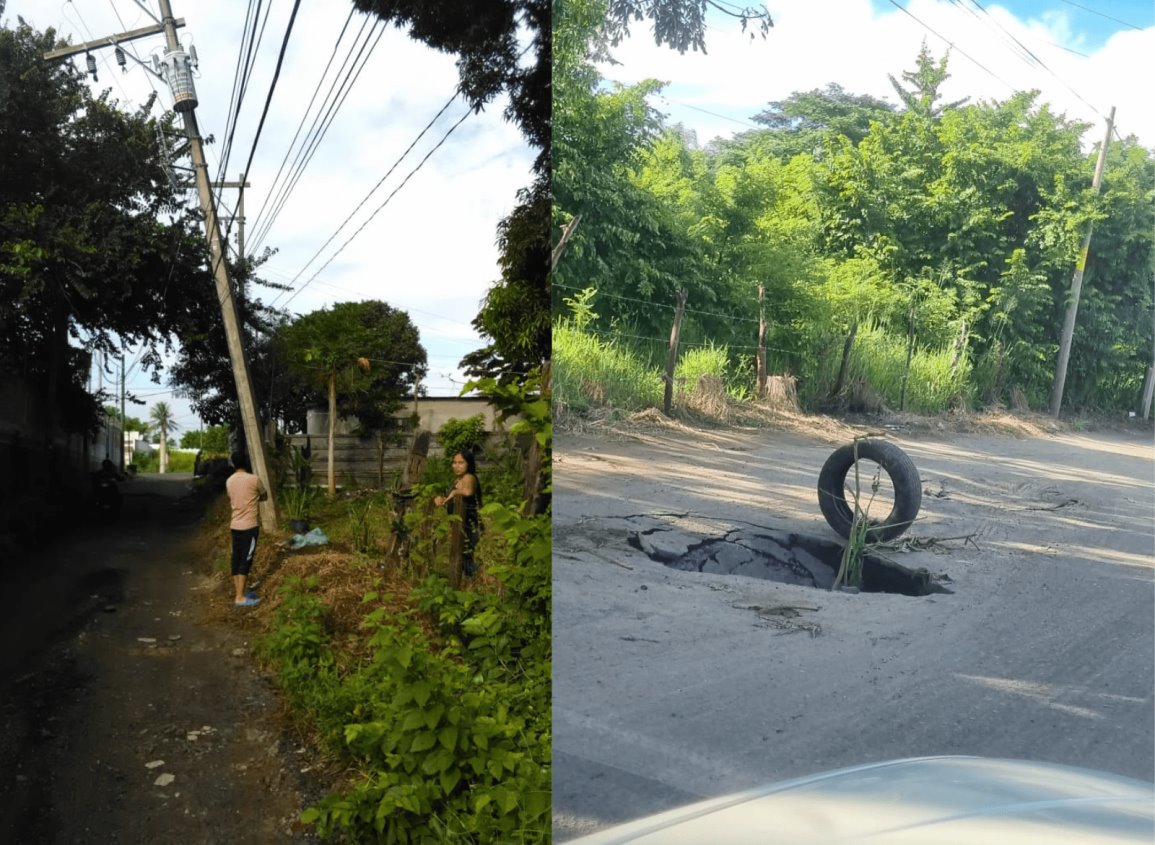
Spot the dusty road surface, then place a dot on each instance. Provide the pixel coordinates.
(670, 686)
(124, 716)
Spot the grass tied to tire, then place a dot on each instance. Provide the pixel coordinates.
(850, 568)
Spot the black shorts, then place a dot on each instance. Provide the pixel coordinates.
(244, 545)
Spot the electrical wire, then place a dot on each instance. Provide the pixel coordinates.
(372, 190)
(326, 114)
(1102, 15)
(361, 228)
(1030, 58)
(273, 84)
(233, 110)
(308, 109)
(952, 45)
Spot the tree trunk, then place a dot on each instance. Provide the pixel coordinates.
(844, 367)
(332, 433)
(163, 449)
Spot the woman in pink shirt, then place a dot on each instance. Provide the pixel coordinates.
(245, 491)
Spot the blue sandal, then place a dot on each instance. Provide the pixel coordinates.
(250, 601)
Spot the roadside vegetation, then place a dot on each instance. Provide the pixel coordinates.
(913, 257)
(431, 698)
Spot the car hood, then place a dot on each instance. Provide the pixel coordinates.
(926, 800)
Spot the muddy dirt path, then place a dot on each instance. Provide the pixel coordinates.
(125, 717)
(670, 685)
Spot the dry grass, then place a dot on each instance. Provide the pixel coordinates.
(344, 578)
(705, 410)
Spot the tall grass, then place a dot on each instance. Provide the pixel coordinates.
(589, 372)
(880, 359)
(700, 361)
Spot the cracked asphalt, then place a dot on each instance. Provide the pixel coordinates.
(671, 686)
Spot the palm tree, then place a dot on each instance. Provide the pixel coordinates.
(164, 420)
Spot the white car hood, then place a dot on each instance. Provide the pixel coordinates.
(921, 801)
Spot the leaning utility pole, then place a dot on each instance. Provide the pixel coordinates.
(179, 76)
(177, 68)
(1077, 284)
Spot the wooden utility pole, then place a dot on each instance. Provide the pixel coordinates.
(760, 360)
(1077, 284)
(672, 352)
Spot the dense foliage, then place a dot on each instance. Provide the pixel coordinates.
(893, 245)
(441, 709)
(96, 245)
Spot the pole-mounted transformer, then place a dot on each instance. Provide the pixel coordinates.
(177, 67)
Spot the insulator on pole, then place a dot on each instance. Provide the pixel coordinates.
(90, 60)
(192, 51)
(120, 59)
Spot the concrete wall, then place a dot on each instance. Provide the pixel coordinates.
(359, 462)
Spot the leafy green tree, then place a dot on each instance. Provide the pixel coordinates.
(96, 246)
(367, 355)
(131, 424)
(214, 440)
(806, 121)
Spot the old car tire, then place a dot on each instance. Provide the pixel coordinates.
(895, 463)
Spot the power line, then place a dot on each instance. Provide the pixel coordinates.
(953, 46)
(241, 75)
(1033, 59)
(405, 181)
(326, 116)
(301, 123)
(1101, 14)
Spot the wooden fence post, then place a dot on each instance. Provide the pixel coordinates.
(456, 544)
(672, 354)
(760, 363)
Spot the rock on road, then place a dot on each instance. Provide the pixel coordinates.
(671, 686)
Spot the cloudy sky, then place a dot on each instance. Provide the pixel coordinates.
(430, 251)
(1084, 57)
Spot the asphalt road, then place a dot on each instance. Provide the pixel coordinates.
(673, 686)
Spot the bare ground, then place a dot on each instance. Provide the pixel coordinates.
(131, 709)
(670, 686)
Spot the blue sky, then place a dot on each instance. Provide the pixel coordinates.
(1083, 63)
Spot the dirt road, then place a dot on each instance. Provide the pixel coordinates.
(671, 685)
(124, 716)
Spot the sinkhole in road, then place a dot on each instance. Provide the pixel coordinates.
(781, 556)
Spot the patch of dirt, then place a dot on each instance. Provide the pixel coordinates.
(131, 707)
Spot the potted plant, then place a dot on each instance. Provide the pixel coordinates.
(296, 501)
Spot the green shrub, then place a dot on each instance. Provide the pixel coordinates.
(456, 435)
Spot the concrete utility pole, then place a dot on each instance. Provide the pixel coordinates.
(178, 75)
(185, 104)
(1077, 284)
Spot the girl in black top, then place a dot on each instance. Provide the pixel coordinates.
(466, 490)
